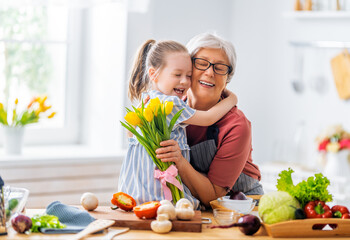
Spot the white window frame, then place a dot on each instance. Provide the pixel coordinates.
(92, 117)
(69, 133)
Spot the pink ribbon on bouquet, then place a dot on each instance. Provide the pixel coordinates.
(168, 176)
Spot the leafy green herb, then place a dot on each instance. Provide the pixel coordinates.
(314, 188)
(45, 221)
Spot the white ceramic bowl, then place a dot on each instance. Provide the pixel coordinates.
(241, 206)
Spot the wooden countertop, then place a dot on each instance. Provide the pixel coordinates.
(207, 233)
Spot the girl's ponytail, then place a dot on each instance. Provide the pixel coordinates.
(139, 80)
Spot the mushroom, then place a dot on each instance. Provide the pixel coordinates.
(89, 201)
(162, 224)
(165, 202)
(184, 210)
(167, 209)
(182, 201)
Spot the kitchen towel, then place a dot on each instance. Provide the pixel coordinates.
(74, 218)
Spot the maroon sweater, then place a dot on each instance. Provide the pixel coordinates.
(234, 149)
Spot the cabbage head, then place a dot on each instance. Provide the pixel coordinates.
(277, 207)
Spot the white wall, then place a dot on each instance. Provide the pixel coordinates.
(265, 64)
(265, 67)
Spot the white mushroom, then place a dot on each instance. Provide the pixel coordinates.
(182, 201)
(168, 209)
(185, 211)
(162, 224)
(89, 201)
(165, 202)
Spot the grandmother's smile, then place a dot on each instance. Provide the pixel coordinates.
(206, 83)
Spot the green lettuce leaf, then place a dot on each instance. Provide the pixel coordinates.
(314, 188)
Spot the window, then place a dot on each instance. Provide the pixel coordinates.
(75, 55)
(38, 56)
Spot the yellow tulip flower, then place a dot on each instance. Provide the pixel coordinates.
(154, 105)
(1, 106)
(333, 147)
(16, 101)
(52, 115)
(168, 107)
(148, 114)
(132, 118)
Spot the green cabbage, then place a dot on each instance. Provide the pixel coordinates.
(277, 206)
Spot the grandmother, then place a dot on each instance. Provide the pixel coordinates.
(221, 159)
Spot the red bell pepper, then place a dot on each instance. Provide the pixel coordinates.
(345, 216)
(123, 201)
(317, 209)
(339, 210)
(147, 210)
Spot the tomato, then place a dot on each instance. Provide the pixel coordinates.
(147, 210)
(123, 201)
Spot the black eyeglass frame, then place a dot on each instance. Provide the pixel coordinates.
(212, 64)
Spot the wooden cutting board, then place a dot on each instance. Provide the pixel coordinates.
(129, 219)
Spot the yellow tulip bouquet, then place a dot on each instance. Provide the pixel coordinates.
(151, 121)
(31, 114)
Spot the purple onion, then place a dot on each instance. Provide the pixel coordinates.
(248, 224)
(238, 196)
(21, 223)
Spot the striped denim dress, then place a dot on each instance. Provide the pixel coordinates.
(137, 173)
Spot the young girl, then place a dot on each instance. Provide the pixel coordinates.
(165, 69)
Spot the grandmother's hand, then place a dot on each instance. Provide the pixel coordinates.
(170, 152)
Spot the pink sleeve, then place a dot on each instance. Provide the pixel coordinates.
(231, 156)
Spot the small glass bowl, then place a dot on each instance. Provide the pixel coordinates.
(11, 193)
(225, 216)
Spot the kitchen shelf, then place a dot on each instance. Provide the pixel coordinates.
(301, 15)
(320, 44)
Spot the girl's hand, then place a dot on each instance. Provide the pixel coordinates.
(227, 93)
(169, 152)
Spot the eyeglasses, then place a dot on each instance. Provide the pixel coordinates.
(219, 68)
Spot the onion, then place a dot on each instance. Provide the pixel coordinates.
(248, 224)
(238, 196)
(21, 223)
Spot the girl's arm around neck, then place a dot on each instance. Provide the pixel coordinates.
(214, 114)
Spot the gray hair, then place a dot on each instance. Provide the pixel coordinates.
(209, 40)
